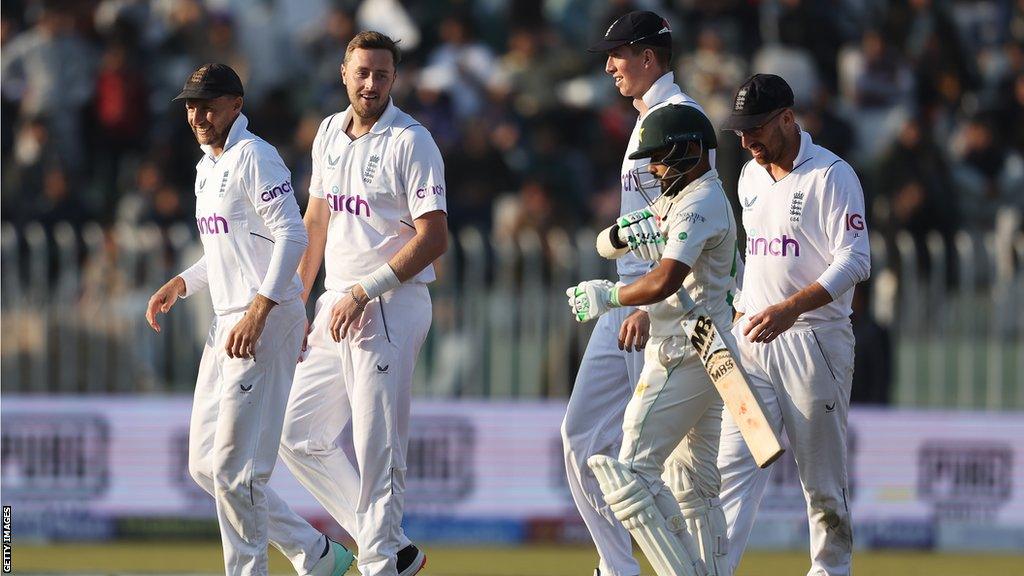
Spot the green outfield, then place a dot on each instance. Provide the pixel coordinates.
(205, 557)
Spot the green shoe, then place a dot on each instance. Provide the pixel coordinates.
(343, 558)
(335, 561)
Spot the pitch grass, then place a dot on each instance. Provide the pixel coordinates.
(205, 557)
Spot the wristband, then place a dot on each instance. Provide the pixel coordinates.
(379, 281)
(613, 296)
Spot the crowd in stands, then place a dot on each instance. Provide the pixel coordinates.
(924, 97)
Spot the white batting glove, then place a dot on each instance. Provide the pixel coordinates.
(642, 234)
(590, 299)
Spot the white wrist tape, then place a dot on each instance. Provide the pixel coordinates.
(380, 281)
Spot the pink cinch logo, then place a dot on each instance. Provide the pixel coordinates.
(212, 224)
(785, 246)
(347, 203)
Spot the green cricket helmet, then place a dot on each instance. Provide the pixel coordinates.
(672, 127)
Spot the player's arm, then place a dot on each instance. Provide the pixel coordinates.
(191, 280)
(429, 243)
(688, 228)
(663, 281)
(842, 215)
(270, 191)
(318, 216)
(420, 171)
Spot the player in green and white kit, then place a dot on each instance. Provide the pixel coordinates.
(676, 411)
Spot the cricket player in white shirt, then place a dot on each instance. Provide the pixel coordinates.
(638, 47)
(676, 411)
(253, 239)
(377, 219)
(807, 247)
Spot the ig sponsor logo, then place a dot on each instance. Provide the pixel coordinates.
(854, 222)
(279, 190)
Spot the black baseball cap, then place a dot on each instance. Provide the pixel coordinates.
(210, 81)
(637, 27)
(756, 100)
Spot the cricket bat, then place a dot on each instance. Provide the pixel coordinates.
(732, 385)
(718, 361)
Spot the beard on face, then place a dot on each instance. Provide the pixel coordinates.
(368, 109)
(211, 136)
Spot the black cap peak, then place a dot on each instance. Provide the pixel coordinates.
(637, 27)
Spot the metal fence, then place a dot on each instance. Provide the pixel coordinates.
(73, 302)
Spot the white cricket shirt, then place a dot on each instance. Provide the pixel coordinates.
(375, 186)
(662, 93)
(244, 206)
(809, 226)
(700, 232)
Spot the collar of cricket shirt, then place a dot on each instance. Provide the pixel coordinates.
(704, 178)
(236, 133)
(805, 149)
(383, 124)
(662, 89)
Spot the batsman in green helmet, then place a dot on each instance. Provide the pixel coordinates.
(688, 233)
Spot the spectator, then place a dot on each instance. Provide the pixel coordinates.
(121, 118)
(873, 353)
(988, 176)
(913, 179)
(481, 176)
(50, 71)
(470, 67)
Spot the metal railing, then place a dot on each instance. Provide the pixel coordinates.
(73, 303)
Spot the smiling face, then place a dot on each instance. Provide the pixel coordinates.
(211, 119)
(368, 75)
(626, 67)
(767, 143)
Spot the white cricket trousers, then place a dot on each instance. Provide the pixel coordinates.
(593, 425)
(365, 380)
(804, 378)
(674, 419)
(234, 433)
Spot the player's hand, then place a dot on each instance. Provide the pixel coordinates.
(163, 299)
(643, 236)
(767, 324)
(305, 342)
(242, 339)
(346, 312)
(590, 299)
(635, 331)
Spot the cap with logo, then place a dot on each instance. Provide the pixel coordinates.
(210, 81)
(756, 100)
(637, 27)
(674, 124)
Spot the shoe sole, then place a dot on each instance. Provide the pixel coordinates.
(416, 566)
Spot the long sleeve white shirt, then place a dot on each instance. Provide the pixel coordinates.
(249, 223)
(807, 227)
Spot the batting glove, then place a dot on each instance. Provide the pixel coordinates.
(590, 299)
(642, 234)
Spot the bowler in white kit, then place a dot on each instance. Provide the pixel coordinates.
(638, 47)
(377, 220)
(807, 247)
(253, 238)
